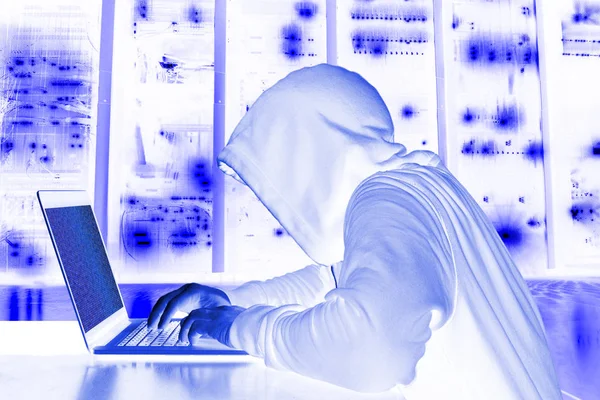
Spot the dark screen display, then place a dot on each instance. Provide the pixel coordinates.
(86, 265)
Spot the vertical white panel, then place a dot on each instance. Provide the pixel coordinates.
(391, 44)
(266, 40)
(493, 112)
(571, 31)
(161, 156)
(48, 98)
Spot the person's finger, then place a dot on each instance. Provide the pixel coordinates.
(160, 306)
(172, 307)
(199, 319)
(199, 328)
(186, 324)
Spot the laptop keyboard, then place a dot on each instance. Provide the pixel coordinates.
(142, 336)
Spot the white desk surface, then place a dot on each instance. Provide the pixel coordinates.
(48, 360)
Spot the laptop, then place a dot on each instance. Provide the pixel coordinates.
(97, 300)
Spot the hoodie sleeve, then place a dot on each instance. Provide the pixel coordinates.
(306, 287)
(371, 331)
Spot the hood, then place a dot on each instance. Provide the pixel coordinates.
(306, 144)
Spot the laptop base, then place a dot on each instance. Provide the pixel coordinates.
(173, 350)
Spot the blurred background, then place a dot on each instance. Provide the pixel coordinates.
(132, 100)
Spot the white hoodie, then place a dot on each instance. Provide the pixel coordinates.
(420, 275)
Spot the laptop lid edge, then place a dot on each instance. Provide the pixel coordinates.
(106, 330)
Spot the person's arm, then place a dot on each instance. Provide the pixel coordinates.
(370, 332)
(307, 287)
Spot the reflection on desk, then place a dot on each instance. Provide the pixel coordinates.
(92, 377)
(48, 360)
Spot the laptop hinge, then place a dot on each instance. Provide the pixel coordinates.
(113, 332)
(107, 329)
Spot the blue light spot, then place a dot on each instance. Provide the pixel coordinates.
(534, 152)
(510, 233)
(6, 146)
(306, 9)
(408, 112)
(168, 65)
(468, 148)
(596, 150)
(533, 222)
(377, 46)
(455, 22)
(28, 306)
(292, 41)
(468, 117)
(586, 14)
(141, 8)
(507, 118)
(183, 238)
(499, 50)
(278, 232)
(141, 239)
(358, 41)
(13, 243)
(200, 176)
(67, 82)
(194, 15)
(13, 305)
(474, 52)
(23, 123)
(488, 149)
(583, 211)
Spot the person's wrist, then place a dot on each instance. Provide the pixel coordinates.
(230, 328)
(225, 296)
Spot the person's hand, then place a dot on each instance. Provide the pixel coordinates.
(215, 322)
(186, 298)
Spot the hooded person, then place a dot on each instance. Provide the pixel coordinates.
(411, 288)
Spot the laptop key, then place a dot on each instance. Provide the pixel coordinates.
(149, 338)
(173, 338)
(132, 334)
(139, 337)
(164, 335)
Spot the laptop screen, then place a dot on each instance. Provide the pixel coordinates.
(85, 263)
